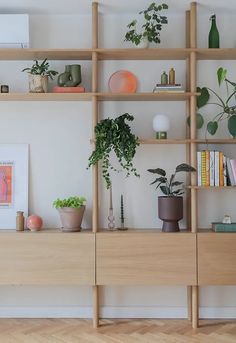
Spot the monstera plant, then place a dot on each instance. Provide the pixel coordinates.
(226, 108)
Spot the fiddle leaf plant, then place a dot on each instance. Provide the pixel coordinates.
(170, 187)
(151, 27)
(114, 135)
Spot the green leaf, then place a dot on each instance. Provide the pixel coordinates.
(165, 190)
(184, 167)
(232, 125)
(212, 127)
(203, 98)
(199, 120)
(164, 6)
(177, 183)
(158, 171)
(221, 74)
(159, 179)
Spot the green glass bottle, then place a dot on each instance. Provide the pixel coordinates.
(214, 38)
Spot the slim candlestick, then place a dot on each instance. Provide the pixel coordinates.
(111, 218)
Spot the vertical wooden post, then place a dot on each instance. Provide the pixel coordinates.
(193, 146)
(95, 168)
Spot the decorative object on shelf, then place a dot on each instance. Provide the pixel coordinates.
(226, 219)
(164, 78)
(224, 227)
(170, 206)
(13, 183)
(71, 76)
(161, 124)
(4, 89)
(122, 81)
(122, 218)
(111, 218)
(20, 221)
(71, 212)
(213, 38)
(38, 76)
(114, 135)
(227, 107)
(34, 223)
(151, 27)
(78, 89)
(172, 76)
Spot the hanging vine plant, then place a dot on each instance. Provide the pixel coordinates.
(114, 135)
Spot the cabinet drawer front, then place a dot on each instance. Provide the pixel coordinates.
(146, 259)
(217, 259)
(47, 258)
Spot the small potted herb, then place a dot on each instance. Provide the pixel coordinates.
(71, 212)
(152, 25)
(38, 76)
(170, 206)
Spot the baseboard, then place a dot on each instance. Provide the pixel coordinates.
(115, 312)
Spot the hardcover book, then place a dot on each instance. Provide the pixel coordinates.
(222, 227)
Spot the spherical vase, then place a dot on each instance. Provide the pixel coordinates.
(170, 210)
(34, 223)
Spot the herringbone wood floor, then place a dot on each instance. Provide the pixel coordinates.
(115, 331)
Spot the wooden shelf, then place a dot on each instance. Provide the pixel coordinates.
(216, 54)
(164, 141)
(40, 54)
(144, 96)
(45, 96)
(140, 231)
(143, 54)
(211, 187)
(214, 141)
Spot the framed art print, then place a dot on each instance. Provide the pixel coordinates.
(13, 183)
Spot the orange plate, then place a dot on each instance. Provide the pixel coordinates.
(123, 81)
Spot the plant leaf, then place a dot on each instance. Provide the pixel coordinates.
(199, 120)
(184, 167)
(177, 183)
(158, 171)
(221, 74)
(203, 98)
(232, 125)
(165, 190)
(212, 127)
(159, 179)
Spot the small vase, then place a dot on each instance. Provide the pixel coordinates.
(214, 38)
(38, 83)
(71, 77)
(144, 43)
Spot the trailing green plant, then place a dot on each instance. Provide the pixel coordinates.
(41, 69)
(226, 107)
(74, 202)
(151, 27)
(170, 187)
(114, 135)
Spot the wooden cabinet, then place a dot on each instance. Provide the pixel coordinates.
(47, 258)
(144, 258)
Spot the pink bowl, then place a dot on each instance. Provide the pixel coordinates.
(123, 81)
(34, 223)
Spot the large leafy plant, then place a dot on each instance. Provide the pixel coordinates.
(74, 202)
(226, 107)
(151, 27)
(41, 69)
(114, 135)
(170, 187)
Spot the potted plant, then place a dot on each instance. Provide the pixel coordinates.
(71, 212)
(114, 135)
(226, 109)
(170, 206)
(151, 27)
(38, 76)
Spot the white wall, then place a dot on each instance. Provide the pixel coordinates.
(58, 134)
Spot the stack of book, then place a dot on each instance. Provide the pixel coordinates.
(222, 227)
(215, 169)
(168, 88)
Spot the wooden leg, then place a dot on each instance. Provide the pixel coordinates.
(195, 307)
(189, 301)
(95, 307)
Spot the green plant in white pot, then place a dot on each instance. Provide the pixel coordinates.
(71, 212)
(151, 27)
(38, 76)
(170, 206)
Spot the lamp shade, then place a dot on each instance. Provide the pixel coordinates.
(161, 123)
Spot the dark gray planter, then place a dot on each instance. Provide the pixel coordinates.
(170, 210)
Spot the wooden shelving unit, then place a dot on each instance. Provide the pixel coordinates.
(139, 257)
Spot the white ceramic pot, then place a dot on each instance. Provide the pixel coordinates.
(38, 83)
(144, 44)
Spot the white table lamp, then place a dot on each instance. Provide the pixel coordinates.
(161, 124)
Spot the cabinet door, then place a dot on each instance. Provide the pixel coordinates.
(134, 258)
(217, 258)
(47, 258)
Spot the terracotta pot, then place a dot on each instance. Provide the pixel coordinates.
(71, 218)
(170, 210)
(38, 83)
